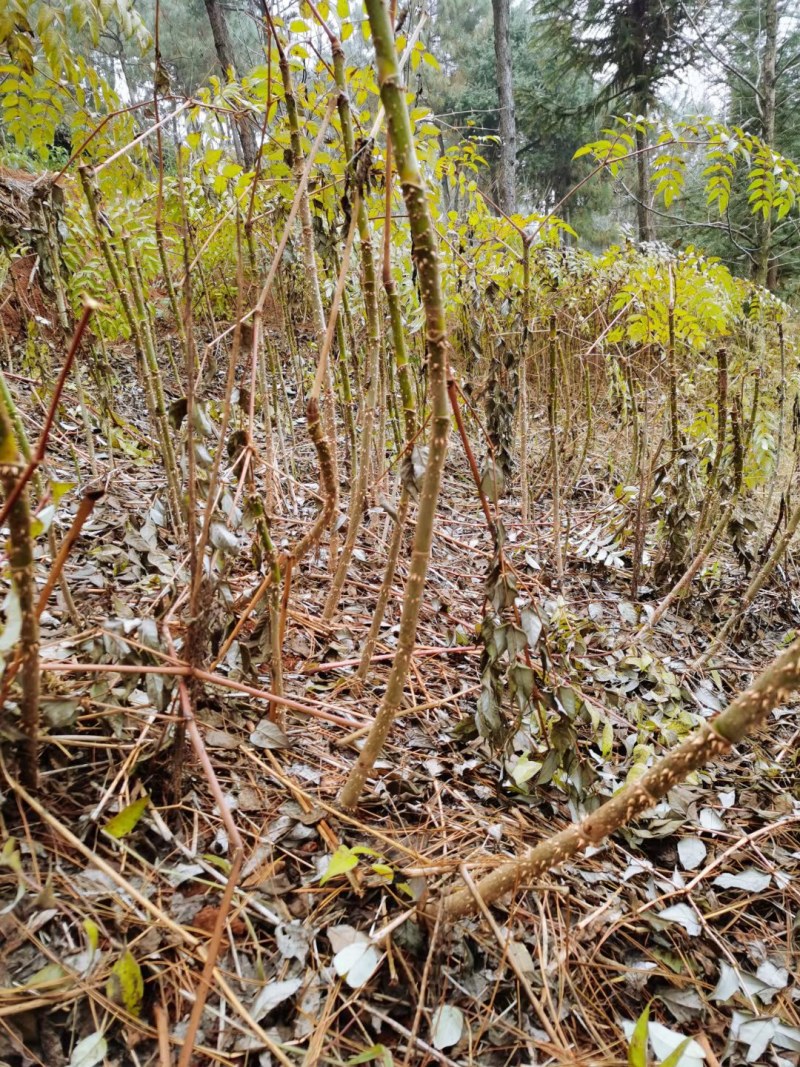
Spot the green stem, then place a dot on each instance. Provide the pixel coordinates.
(347, 395)
(309, 251)
(552, 400)
(21, 564)
(156, 388)
(165, 270)
(369, 286)
(706, 514)
(523, 381)
(368, 650)
(409, 420)
(277, 712)
(426, 258)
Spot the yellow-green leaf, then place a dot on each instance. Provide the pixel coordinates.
(342, 861)
(47, 975)
(607, 739)
(8, 449)
(125, 984)
(92, 933)
(59, 489)
(217, 861)
(676, 1055)
(10, 857)
(125, 821)
(637, 1050)
(383, 870)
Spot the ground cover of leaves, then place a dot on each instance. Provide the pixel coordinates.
(111, 887)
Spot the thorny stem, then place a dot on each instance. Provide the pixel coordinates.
(494, 531)
(230, 381)
(328, 484)
(369, 287)
(347, 392)
(135, 316)
(395, 312)
(523, 379)
(237, 850)
(671, 369)
(473, 465)
(390, 569)
(587, 440)
(14, 492)
(713, 739)
(690, 572)
(27, 455)
(409, 421)
(722, 424)
(309, 249)
(776, 463)
(152, 374)
(159, 219)
(552, 399)
(754, 588)
(425, 253)
(21, 564)
(277, 712)
(333, 317)
(85, 509)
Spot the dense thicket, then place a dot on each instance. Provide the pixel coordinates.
(354, 371)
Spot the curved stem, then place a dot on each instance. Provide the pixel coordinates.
(711, 740)
(426, 258)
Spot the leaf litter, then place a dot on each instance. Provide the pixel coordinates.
(107, 905)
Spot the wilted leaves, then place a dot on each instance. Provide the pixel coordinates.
(356, 958)
(447, 1026)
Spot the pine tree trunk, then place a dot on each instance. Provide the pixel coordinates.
(644, 216)
(224, 47)
(767, 101)
(506, 176)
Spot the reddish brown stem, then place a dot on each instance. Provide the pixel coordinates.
(473, 466)
(85, 509)
(41, 447)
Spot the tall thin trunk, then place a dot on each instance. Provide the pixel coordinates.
(767, 103)
(644, 214)
(224, 47)
(506, 176)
